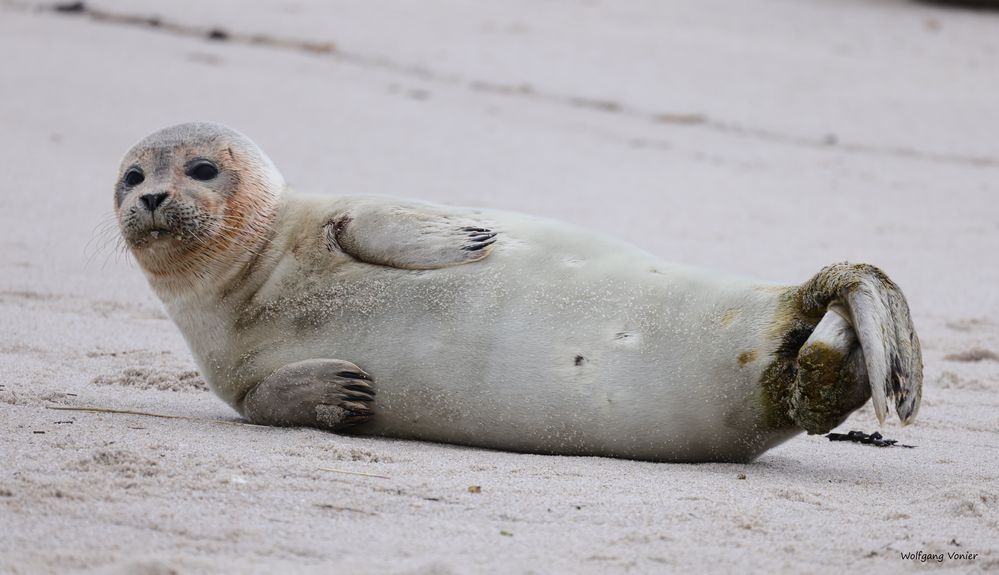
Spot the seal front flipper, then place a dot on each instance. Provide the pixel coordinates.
(325, 393)
(409, 236)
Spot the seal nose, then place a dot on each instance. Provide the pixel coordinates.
(153, 201)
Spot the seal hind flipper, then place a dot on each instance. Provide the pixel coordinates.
(831, 380)
(409, 236)
(325, 393)
(876, 309)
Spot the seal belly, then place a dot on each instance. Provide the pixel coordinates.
(545, 347)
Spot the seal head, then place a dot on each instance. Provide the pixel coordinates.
(191, 192)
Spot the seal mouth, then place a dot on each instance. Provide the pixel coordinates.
(158, 234)
(152, 235)
(171, 229)
(155, 232)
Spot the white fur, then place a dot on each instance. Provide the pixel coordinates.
(485, 353)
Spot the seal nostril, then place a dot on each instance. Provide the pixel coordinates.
(153, 201)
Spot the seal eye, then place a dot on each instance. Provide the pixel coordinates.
(134, 177)
(203, 171)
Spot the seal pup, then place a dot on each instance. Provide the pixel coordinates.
(488, 328)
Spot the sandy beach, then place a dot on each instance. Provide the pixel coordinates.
(766, 138)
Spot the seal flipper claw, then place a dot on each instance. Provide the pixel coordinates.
(478, 246)
(325, 393)
(481, 237)
(408, 236)
(363, 391)
(354, 375)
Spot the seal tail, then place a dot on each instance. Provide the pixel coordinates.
(876, 309)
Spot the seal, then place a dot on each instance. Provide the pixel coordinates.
(492, 329)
